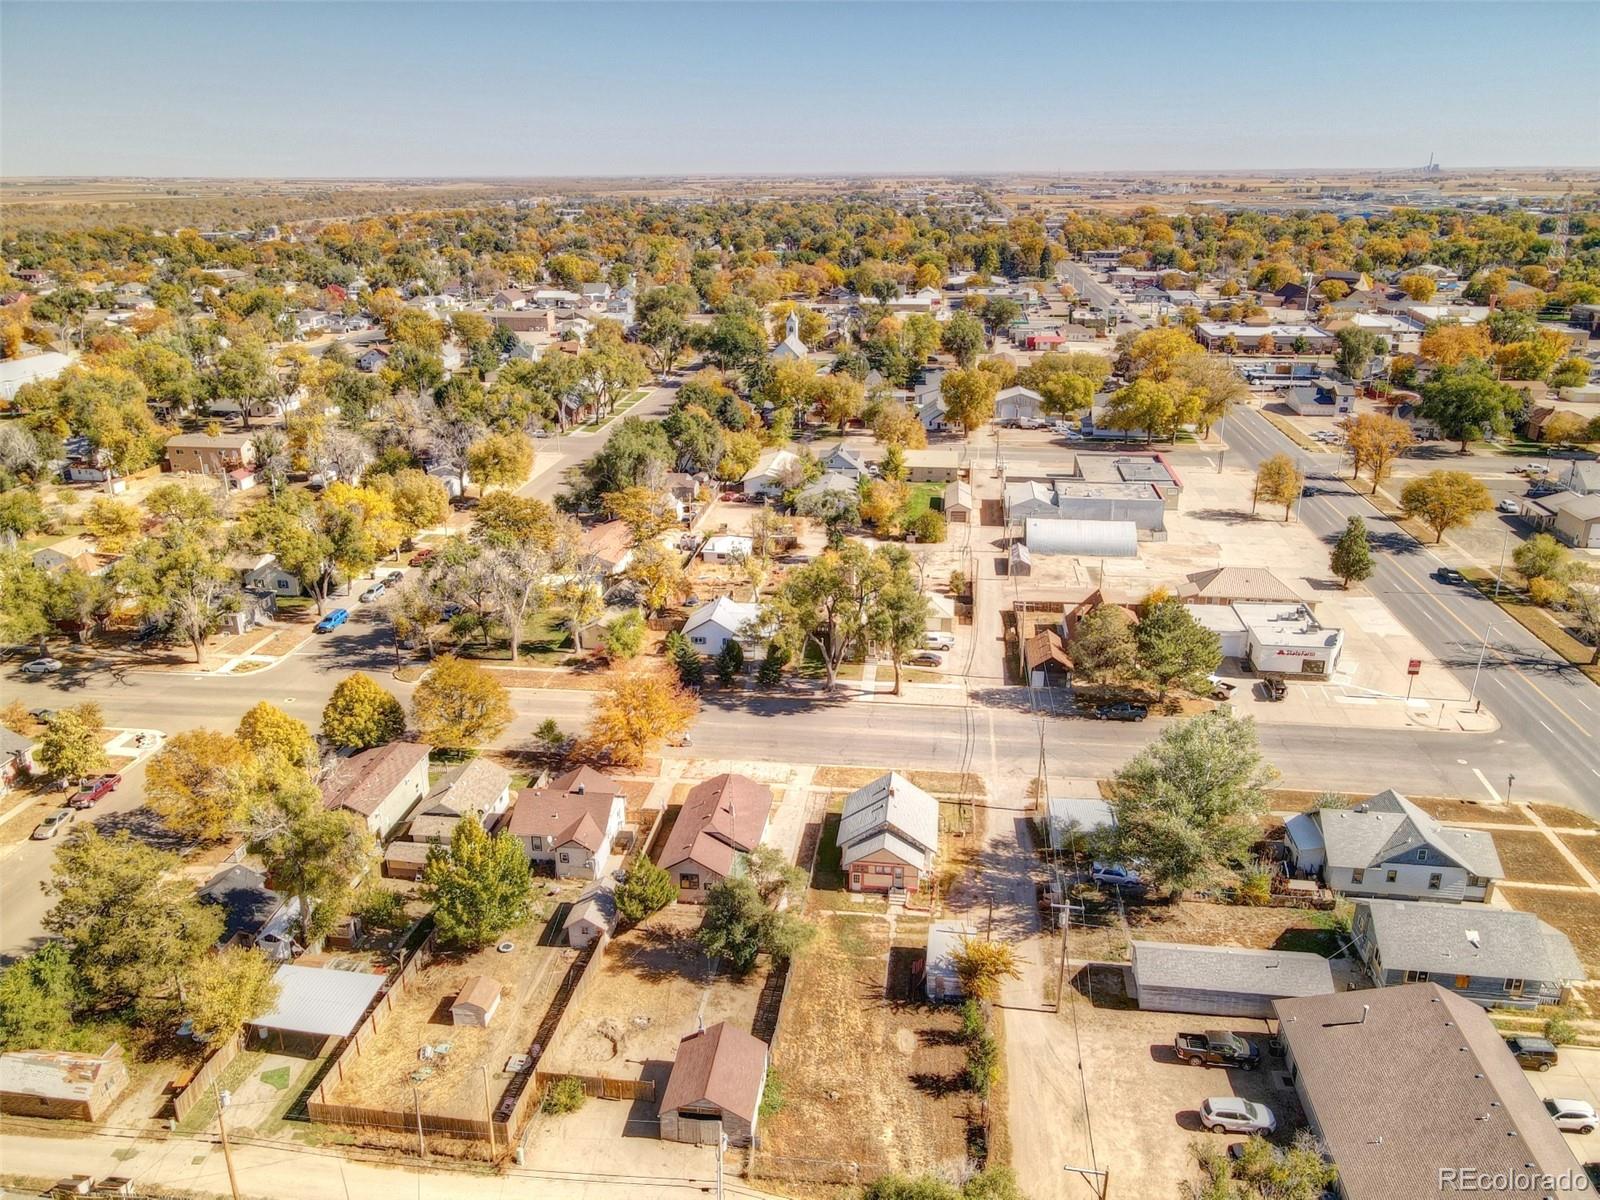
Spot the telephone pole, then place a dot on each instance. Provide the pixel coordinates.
(222, 1133)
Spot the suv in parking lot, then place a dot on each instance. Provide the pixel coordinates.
(1237, 1115)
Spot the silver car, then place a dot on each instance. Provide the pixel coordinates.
(1235, 1114)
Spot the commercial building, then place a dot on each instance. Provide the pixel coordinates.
(1287, 639)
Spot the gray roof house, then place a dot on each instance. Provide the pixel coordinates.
(1223, 981)
(888, 834)
(1403, 1084)
(843, 460)
(1387, 846)
(1491, 956)
(314, 1005)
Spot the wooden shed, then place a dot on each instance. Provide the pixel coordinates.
(476, 1003)
(715, 1087)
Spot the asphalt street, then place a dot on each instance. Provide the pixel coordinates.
(1549, 712)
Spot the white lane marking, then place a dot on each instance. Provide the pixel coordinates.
(1580, 700)
(1487, 786)
(1548, 730)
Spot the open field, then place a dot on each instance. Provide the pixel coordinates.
(866, 1080)
(382, 1076)
(651, 987)
(1205, 923)
(1528, 857)
(1576, 914)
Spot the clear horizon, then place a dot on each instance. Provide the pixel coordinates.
(535, 91)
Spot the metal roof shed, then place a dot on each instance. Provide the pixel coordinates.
(315, 1004)
(1087, 539)
(1224, 980)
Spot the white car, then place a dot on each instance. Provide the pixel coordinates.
(935, 639)
(1029, 423)
(1115, 875)
(1507, 506)
(1062, 427)
(1234, 1114)
(1572, 1116)
(42, 666)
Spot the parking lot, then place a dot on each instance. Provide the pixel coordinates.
(1575, 1077)
(1144, 1104)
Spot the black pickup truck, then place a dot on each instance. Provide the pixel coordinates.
(1217, 1048)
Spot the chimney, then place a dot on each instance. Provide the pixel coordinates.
(581, 789)
(1472, 936)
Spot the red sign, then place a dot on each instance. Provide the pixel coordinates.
(1415, 668)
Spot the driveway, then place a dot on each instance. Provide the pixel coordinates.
(1575, 1077)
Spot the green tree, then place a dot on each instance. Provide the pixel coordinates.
(729, 661)
(1187, 807)
(645, 889)
(38, 997)
(133, 925)
(623, 638)
(1466, 402)
(1351, 559)
(738, 927)
(25, 615)
(1442, 500)
(1174, 648)
(228, 989)
(460, 706)
(1357, 348)
(70, 747)
(1102, 645)
(480, 886)
(898, 617)
(360, 715)
(964, 337)
(311, 852)
(1540, 557)
(828, 603)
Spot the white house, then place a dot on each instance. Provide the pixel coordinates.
(1016, 403)
(725, 547)
(791, 349)
(712, 626)
(771, 469)
(569, 824)
(263, 573)
(380, 785)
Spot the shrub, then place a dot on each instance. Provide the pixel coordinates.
(1546, 592)
(646, 889)
(772, 1094)
(973, 1024)
(771, 670)
(983, 1064)
(1255, 886)
(1560, 1029)
(624, 636)
(565, 1096)
(927, 526)
(379, 908)
(729, 661)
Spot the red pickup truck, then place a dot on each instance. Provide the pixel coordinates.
(93, 789)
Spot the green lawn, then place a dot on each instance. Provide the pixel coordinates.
(921, 498)
(544, 644)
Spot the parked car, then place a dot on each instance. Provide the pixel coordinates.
(420, 557)
(1217, 1048)
(1507, 506)
(1121, 712)
(394, 577)
(375, 592)
(1115, 875)
(1062, 427)
(1030, 423)
(1221, 689)
(54, 824)
(333, 620)
(926, 658)
(42, 666)
(1235, 1114)
(1275, 687)
(935, 639)
(96, 787)
(1533, 1053)
(1572, 1116)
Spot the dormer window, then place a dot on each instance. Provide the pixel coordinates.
(1422, 855)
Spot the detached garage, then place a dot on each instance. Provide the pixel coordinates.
(476, 1002)
(1224, 981)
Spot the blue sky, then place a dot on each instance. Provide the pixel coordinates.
(380, 89)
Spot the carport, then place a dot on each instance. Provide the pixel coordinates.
(314, 1006)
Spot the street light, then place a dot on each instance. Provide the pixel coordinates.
(1500, 571)
(1482, 650)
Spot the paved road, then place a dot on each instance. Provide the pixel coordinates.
(558, 455)
(1549, 712)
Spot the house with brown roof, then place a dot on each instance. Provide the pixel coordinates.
(1412, 1092)
(215, 454)
(57, 1083)
(721, 821)
(1235, 585)
(715, 1088)
(569, 824)
(609, 546)
(380, 785)
(1046, 659)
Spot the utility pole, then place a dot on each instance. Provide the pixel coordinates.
(722, 1146)
(488, 1109)
(422, 1144)
(222, 1133)
(1099, 1180)
(1476, 671)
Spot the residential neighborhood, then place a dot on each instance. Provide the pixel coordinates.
(563, 637)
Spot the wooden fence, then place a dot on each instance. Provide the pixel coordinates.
(601, 1087)
(183, 1103)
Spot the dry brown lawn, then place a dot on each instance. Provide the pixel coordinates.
(1562, 817)
(1207, 924)
(1586, 847)
(937, 783)
(1528, 856)
(1576, 914)
(381, 1077)
(651, 988)
(865, 1079)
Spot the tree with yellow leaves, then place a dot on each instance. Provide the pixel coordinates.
(644, 510)
(1278, 481)
(1155, 353)
(983, 966)
(199, 783)
(500, 460)
(638, 711)
(1375, 441)
(1449, 344)
(969, 397)
(113, 524)
(459, 706)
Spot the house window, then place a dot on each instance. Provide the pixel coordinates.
(1391, 876)
(536, 842)
(565, 857)
(698, 641)
(1422, 855)
(1435, 881)
(1358, 875)
(689, 881)
(1514, 987)
(1416, 977)
(1462, 981)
